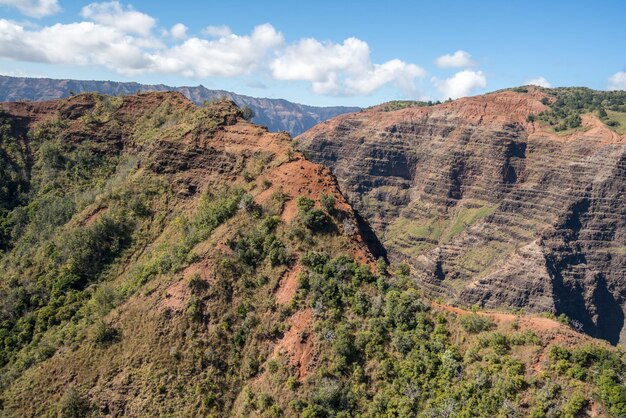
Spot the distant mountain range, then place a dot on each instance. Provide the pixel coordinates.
(276, 114)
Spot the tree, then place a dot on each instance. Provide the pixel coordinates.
(247, 113)
(328, 203)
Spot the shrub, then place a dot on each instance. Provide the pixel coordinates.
(87, 251)
(292, 383)
(213, 210)
(474, 323)
(401, 308)
(570, 103)
(104, 334)
(260, 244)
(381, 267)
(277, 253)
(264, 401)
(328, 203)
(403, 270)
(499, 343)
(105, 298)
(575, 405)
(196, 284)
(194, 309)
(305, 204)
(314, 219)
(73, 405)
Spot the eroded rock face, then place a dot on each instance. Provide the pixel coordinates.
(489, 208)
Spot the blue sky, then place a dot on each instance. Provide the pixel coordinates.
(321, 52)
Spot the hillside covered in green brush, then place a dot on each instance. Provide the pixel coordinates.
(163, 259)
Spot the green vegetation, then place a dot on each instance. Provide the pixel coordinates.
(73, 214)
(467, 216)
(389, 354)
(403, 104)
(600, 367)
(617, 120)
(74, 405)
(48, 266)
(139, 292)
(414, 236)
(315, 219)
(475, 323)
(570, 103)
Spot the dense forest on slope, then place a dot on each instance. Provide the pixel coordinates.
(160, 258)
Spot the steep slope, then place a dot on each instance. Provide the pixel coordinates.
(490, 205)
(161, 259)
(276, 114)
(113, 206)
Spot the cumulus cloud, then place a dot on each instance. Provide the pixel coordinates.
(618, 81)
(179, 31)
(90, 43)
(34, 8)
(84, 43)
(118, 37)
(217, 31)
(460, 84)
(539, 81)
(113, 14)
(460, 59)
(341, 69)
(230, 55)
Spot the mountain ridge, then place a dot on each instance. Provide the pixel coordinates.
(276, 114)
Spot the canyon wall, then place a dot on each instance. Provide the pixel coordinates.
(488, 207)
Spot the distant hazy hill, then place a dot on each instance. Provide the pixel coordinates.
(276, 114)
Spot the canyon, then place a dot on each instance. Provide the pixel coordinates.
(489, 206)
(159, 258)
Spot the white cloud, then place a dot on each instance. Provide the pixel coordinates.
(89, 43)
(618, 81)
(460, 59)
(179, 31)
(230, 55)
(34, 8)
(117, 37)
(113, 14)
(84, 43)
(460, 84)
(539, 81)
(217, 31)
(341, 69)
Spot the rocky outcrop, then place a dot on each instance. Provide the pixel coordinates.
(489, 208)
(276, 114)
